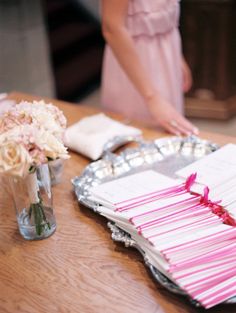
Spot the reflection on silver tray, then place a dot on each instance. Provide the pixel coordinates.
(165, 155)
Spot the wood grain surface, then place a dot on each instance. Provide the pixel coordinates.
(79, 268)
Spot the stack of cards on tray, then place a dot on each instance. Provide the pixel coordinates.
(181, 225)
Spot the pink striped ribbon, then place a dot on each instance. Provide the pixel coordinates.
(153, 196)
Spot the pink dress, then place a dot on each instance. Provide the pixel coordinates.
(153, 25)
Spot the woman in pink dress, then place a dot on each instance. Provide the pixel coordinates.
(144, 72)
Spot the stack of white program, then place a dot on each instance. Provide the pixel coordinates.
(185, 232)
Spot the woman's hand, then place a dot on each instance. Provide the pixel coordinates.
(166, 116)
(187, 76)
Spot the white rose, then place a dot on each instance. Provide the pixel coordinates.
(46, 120)
(14, 159)
(52, 147)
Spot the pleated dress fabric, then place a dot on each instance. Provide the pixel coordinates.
(153, 25)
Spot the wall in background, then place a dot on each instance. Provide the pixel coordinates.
(24, 54)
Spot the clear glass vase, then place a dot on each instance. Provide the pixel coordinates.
(56, 169)
(33, 202)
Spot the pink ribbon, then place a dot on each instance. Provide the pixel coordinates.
(156, 195)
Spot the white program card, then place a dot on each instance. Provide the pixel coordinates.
(131, 186)
(214, 169)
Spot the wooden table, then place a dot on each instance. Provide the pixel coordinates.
(79, 269)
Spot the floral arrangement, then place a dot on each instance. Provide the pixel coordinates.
(31, 135)
(37, 113)
(26, 146)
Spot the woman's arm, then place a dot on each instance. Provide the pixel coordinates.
(118, 38)
(113, 26)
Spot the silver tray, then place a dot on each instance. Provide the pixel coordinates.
(165, 155)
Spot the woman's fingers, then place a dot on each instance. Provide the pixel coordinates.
(167, 126)
(165, 115)
(179, 126)
(186, 127)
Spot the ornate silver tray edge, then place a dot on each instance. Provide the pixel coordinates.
(91, 177)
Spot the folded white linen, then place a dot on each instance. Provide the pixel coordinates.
(90, 134)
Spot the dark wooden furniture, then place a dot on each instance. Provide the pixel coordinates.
(208, 31)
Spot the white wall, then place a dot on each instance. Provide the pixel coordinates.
(24, 54)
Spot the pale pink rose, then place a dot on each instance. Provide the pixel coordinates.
(38, 156)
(36, 129)
(14, 159)
(45, 116)
(13, 118)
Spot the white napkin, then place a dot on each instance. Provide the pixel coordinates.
(90, 134)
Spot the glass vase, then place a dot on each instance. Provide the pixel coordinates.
(33, 203)
(56, 169)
